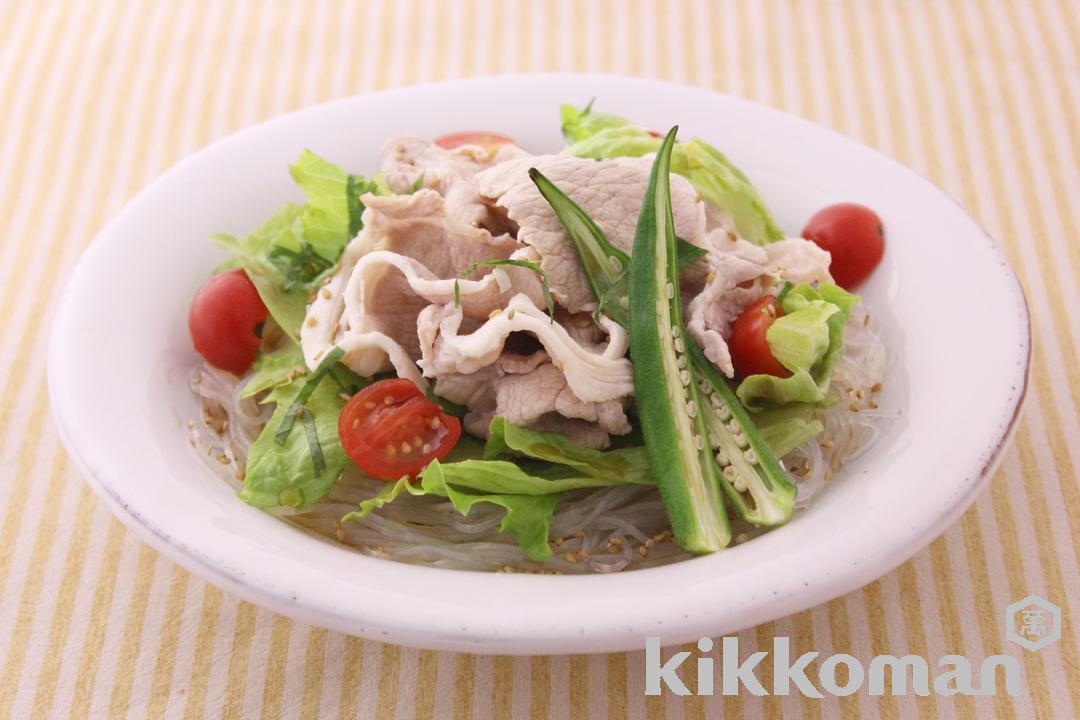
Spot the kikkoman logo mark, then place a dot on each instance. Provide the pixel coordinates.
(1032, 623)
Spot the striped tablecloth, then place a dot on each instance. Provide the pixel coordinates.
(98, 98)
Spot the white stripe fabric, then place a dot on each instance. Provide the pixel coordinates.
(101, 97)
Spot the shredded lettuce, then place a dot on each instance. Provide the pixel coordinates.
(603, 135)
(300, 245)
(807, 339)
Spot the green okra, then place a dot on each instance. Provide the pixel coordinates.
(701, 442)
(668, 398)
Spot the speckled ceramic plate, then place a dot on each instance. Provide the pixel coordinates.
(951, 309)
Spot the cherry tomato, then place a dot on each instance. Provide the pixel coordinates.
(389, 429)
(855, 237)
(225, 321)
(750, 351)
(486, 140)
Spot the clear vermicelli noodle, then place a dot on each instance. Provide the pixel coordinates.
(600, 530)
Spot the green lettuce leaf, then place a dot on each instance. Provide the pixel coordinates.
(275, 369)
(615, 467)
(603, 135)
(332, 215)
(253, 252)
(808, 340)
(300, 245)
(302, 470)
(786, 428)
(546, 465)
(528, 517)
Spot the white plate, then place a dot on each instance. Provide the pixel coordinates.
(952, 311)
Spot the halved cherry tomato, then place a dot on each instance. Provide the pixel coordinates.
(486, 140)
(225, 321)
(389, 429)
(853, 235)
(750, 351)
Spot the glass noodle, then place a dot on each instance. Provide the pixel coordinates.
(603, 530)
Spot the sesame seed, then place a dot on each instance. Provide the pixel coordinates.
(873, 405)
(570, 557)
(578, 534)
(876, 387)
(495, 313)
(557, 542)
(312, 321)
(427, 448)
(827, 444)
(643, 551)
(388, 400)
(326, 294)
(391, 451)
(369, 405)
(406, 447)
(853, 407)
(433, 423)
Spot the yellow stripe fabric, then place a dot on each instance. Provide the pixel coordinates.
(100, 97)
